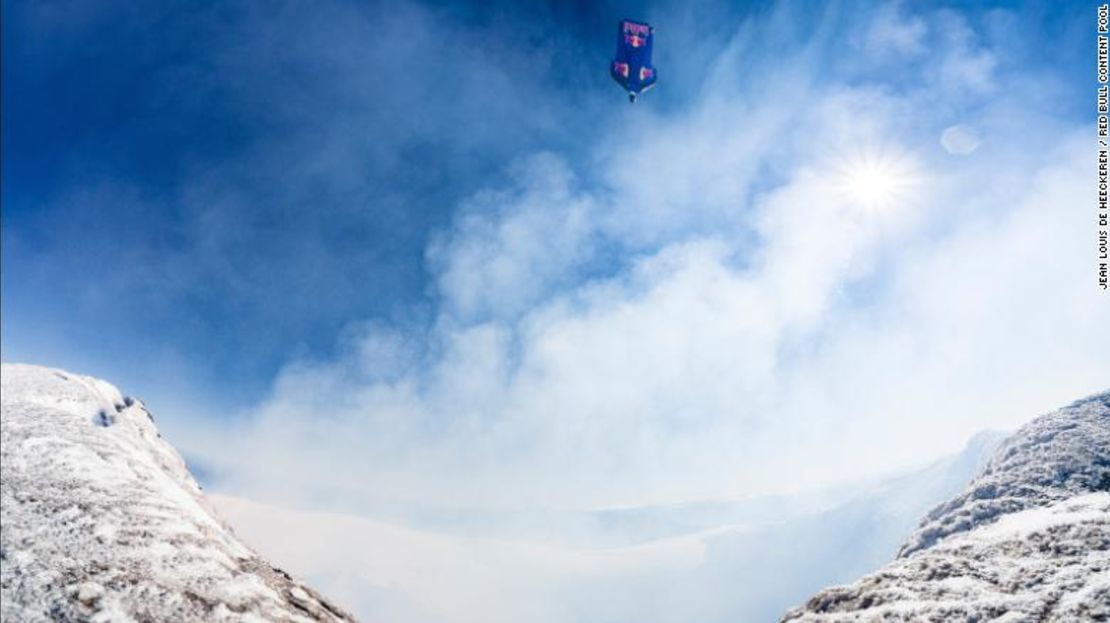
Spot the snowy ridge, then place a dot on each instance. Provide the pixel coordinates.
(100, 519)
(1027, 540)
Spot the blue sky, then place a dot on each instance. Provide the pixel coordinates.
(406, 259)
(215, 202)
(200, 199)
(250, 180)
(230, 186)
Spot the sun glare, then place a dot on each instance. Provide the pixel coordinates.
(876, 180)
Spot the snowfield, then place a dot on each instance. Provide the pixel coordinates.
(101, 521)
(1027, 540)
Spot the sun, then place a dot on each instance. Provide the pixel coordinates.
(876, 179)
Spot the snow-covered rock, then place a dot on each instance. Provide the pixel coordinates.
(101, 521)
(1027, 540)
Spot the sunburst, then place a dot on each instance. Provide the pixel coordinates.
(876, 179)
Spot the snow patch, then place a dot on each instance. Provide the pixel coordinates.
(103, 522)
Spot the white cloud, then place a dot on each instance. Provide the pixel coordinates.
(705, 315)
(785, 287)
(508, 248)
(965, 63)
(669, 563)
(894, 30)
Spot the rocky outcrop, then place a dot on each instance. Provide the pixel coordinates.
(1027, 540)
(101, 521)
